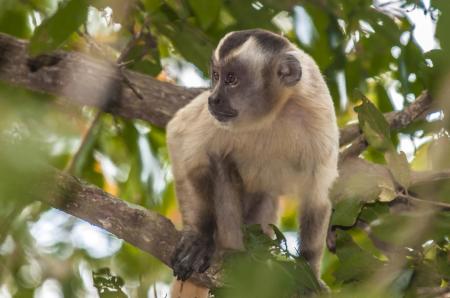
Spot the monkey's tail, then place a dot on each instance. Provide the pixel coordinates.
(187, 289)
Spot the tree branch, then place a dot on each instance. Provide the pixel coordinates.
(145, 229)
(397, 120)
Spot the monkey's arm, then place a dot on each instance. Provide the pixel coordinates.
(193, 185)
(196, 246)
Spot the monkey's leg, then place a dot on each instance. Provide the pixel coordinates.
(261, 208)
(227, 194)
(314, 220)
(196, 246)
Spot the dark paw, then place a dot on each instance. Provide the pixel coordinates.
(192, 254)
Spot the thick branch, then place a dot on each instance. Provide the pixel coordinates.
(83, 80)
(145, 229)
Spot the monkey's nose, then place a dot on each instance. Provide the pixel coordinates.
(214, 100)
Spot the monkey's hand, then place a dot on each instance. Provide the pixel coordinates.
(192, 254)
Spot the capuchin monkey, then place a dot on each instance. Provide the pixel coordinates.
(266, 128)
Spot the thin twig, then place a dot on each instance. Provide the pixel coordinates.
(120, 62)
(396, 120)
(355, 149)
(442, 205)
(137, 37)
(71, 167)
(419, 178)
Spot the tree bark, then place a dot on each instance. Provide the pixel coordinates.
(145, 229)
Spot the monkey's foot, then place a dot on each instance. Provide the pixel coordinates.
(192, 254)
(323, 286)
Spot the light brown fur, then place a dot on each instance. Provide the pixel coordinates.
(293, 151)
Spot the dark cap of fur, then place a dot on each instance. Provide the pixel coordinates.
(268, 41)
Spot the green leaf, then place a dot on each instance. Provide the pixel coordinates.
(54, 31)
(355, 263)
(14, 20)
(108, 285)
(374, 125)
(399, 167)
(383, 100)
(152, 5)
(401, 283)
(206, 11)
(346, 212)
(443, 23)
(360, 180)
(45, 6)
(189, 41)
(371, 212)
(411, 229)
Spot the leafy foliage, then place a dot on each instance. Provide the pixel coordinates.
(266, 259)
(107, 284)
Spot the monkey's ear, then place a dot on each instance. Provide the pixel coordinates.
(289, 70)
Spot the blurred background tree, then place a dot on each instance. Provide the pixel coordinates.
(391, 223)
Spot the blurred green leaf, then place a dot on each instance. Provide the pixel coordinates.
(371, 212)
(443, 23)
(55, 30)
(354, 263)
(399, 167)
(401, 283)
(374, 125)
(383, 100)
(245, 270)
(345, 213)
(206, 11)
(152, 5)
(14, 19)
(189, 41)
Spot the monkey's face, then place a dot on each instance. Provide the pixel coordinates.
(250, 72)
(244, 92)
(237, 95)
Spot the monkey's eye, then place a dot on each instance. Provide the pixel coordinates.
(215, 76)
(231, 79)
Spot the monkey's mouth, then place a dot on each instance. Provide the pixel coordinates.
(223, 116)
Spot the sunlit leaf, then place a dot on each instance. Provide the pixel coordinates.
(14, 19)
(399, 167)
(387, 193)
(107, 284)
(374, 125)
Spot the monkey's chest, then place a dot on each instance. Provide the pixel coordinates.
(262, 171)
